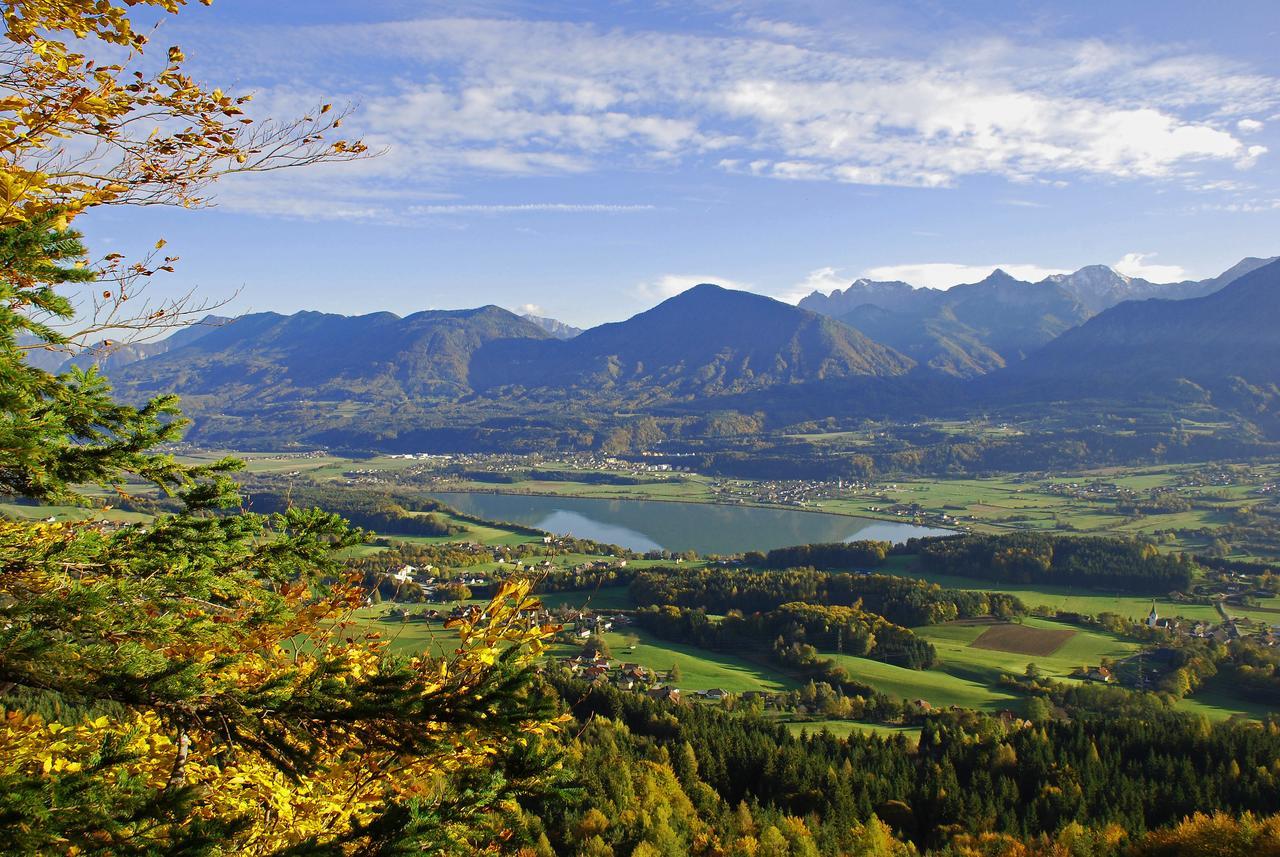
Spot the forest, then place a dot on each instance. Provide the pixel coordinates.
(791, 626)
(975, 784)
(904, 600)
(1107, 564)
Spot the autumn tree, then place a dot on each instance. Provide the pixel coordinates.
(197, 684)
(85, 122)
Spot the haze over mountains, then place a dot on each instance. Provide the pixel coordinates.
(711, 347)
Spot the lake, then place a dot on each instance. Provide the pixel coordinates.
(645, 525)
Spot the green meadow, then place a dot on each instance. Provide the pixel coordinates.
(969, 677)
(1216, 700)
(700, 669)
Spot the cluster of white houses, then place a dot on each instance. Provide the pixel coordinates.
(422, 577)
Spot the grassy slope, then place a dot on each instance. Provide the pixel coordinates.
(1217, 701)
(700, 669)
(969, 677)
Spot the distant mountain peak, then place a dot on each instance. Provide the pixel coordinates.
(1143, 346)
(1099, 287)
(553, 326)
(707, 289)
(708, 295)
(1094, 274)
(1000, 276)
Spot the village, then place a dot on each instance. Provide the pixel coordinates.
(801, 493)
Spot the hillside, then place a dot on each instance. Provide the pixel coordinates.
(380, 357)
(116, 356)
(969, 329)
(705, 341)
(1150, 346)
(1098, 287)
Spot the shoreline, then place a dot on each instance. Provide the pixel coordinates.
(869, 516)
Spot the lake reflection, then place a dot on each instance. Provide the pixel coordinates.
(644, 525)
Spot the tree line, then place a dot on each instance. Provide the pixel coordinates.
(902, 600)
(1109, 564)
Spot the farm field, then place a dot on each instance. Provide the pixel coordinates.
(485, 534)
(1001, 504)
(968, 676)
(405, 638)
(1022, 640)
(700, 669)
(938, 687)
(1076, 647)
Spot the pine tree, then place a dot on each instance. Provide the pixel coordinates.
(195, 685)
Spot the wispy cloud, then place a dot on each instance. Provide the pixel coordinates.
(456, 97)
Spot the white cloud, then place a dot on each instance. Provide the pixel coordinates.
(823, 280)
(1136, 265)
(670, 285)
(944, 275)
(1249, 126)
(455, 97)
(530, 309)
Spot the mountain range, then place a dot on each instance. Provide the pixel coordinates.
(705, 341)
(380, 357)
(972, 329)
(997, 340)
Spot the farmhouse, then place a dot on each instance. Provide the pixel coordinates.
(665, 694)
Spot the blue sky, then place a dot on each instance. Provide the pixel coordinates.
(589, 159)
